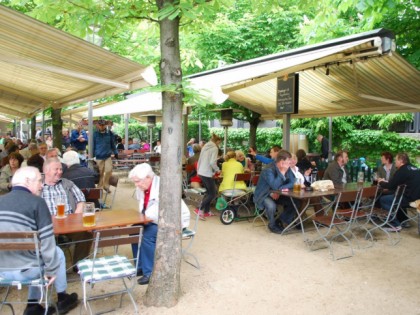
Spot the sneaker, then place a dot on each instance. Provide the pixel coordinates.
(200, 214)
(37, 309)
(275, 229)
(69, 302)
(209, 214)
(393, 228)
(406, 225)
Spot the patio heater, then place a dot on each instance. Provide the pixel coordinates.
(226, 117)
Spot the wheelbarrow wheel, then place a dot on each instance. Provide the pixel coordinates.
(227, 216)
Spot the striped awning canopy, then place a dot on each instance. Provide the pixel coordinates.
(42, 66)
(354, 75)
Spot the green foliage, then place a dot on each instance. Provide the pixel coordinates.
(337, 18)
(370, 144)
(238, 138)
(193, 130)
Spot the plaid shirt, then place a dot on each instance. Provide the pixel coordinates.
(50, 193)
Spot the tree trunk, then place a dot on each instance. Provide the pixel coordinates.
(33, 127)
(164, 288)
(57, 127)
(253, 125)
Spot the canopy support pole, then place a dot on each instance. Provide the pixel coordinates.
(90, 129)
(286, 132)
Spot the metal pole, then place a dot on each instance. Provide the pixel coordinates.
(90, 129)
(330, 139)
(225, 142)
(151, 139)
(199, 128)
(286, 132)
(126, 119)
(43, 127)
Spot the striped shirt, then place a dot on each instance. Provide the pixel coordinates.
(51, 193)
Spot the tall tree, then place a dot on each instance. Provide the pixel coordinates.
(103, 18)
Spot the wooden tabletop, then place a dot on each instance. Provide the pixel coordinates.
(104, 219)
(303, 194)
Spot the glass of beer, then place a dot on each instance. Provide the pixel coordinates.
(60, 206)
(297, 185)
(89, 214)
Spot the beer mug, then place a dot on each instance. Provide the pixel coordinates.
(297, 185)
(60, 207)
(89, 214)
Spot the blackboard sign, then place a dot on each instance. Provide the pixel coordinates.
(288, 94)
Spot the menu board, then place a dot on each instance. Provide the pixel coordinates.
(288, 94)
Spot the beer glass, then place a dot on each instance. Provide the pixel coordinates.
(297, 185)
(89, 214)
(60, 206)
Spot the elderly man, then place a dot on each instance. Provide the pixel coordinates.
(277, 176)
(103, 150)
(147, 192)
(406, 174)
(336, 170)
(23, 210)
(57, 187)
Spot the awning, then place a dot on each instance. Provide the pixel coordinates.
(144, 103)
(365, 76)
(42, 66)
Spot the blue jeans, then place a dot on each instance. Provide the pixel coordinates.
(386, 203)
(288, 213)
(147, 249)
(34, 293)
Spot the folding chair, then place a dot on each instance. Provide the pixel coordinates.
(364, 211)
(94, 195)
(188, 235)
(24, 241)
(381, 219)
(259, 213)
(189, 168)
(113, 181)
(115, 267)
(237, 198)
(331, 227)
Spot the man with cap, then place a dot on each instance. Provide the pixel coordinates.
(103, 150)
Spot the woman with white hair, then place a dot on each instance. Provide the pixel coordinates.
(147, 192)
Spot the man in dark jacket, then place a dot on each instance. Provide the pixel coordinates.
(406, 174)
(324, 147)
(277, 176)
(103, 150)
(23, 210)
(81, 176)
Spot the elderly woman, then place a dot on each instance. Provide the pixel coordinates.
(246, 162)
(7, 172)
(229, 169)
(147, 192)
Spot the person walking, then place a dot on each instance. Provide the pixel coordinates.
(103, 150)
(206, 168)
